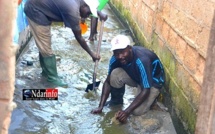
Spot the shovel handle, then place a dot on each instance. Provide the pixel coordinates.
(97, 53)
(100, 37)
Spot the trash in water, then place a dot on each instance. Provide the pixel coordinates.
(29, 63)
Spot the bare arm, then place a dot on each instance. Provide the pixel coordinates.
(104, 96)
(84, 45)
(138, 100)
(82, 42)
(123, 115)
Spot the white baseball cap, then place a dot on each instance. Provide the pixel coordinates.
(120, 42)
(93, 4)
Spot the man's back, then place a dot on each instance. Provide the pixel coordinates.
(43, 12)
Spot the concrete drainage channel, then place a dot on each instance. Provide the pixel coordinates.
(71, 112)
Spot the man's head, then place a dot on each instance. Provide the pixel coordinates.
(121, 49)
(90, 7)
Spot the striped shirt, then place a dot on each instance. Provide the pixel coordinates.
(146, 69)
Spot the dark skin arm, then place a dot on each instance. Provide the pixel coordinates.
(102, 17)
(123, 115)
(82, 20)
(84, 45)
(105, 95)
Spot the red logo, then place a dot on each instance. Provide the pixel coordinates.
(51, 93)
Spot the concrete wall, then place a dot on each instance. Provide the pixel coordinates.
(178, 31)
(7, 62)
(14, 35)
(206, 112)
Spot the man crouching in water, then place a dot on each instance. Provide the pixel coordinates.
(135, 66)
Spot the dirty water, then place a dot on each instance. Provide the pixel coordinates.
(70, 114)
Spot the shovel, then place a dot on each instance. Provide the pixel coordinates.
(95, 84)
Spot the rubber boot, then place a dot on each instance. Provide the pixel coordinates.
(51, 71)
(44, 74)
(116, 96)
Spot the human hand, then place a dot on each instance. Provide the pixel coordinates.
(82, 20)
(102, 16)
(97, 110)
(95, 57)
(122, 116)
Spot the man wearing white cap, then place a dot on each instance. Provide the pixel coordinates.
(134, 66)
(40, 15)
